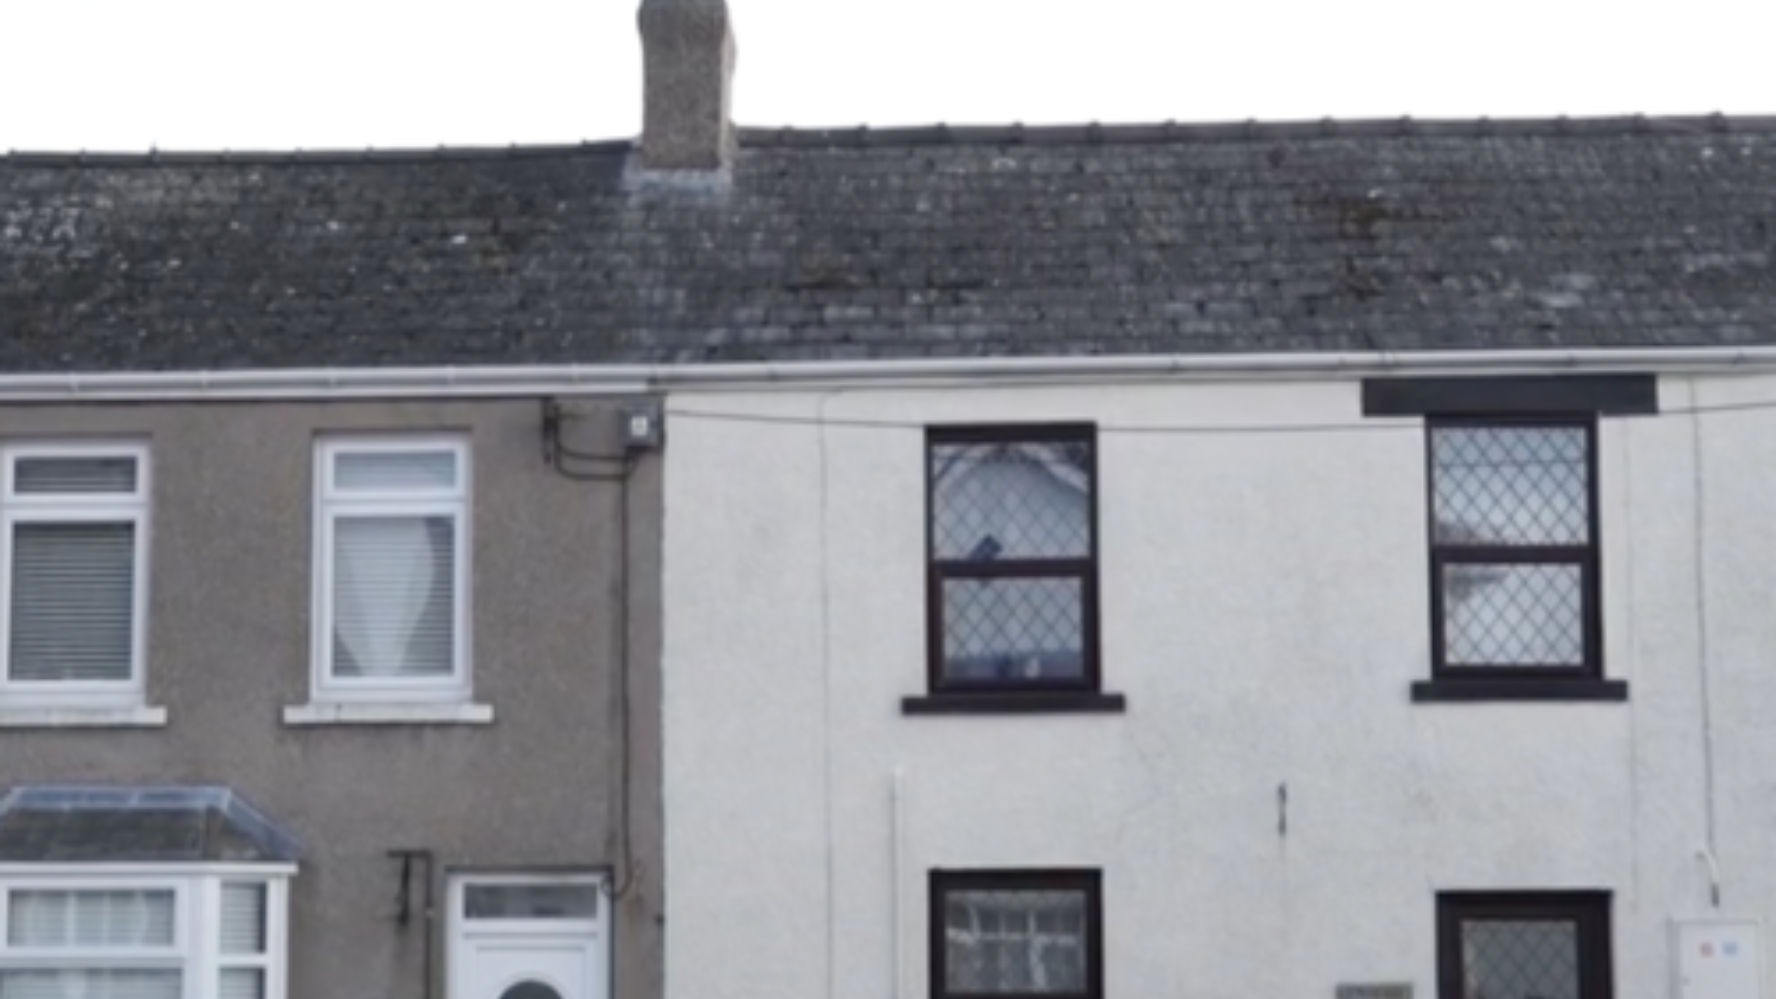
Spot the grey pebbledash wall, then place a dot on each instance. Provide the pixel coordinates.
(228, 648)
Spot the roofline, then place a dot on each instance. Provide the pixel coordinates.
(944, 135)
(229, 157)
(1324, 128)
(577, 379)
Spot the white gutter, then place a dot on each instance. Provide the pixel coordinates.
(621, 379)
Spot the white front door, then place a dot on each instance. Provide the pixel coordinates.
(532, 969)
(529, 938)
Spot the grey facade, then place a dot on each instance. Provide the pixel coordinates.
(228, 649)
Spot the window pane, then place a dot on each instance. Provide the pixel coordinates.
(89, 984)
(243, 919)
(73, 601)
(242, 983)
(1510, 485)
(1011, 501)
(393, 596)
(35, 476)
(1520, 960)
(530, 901)
(1013, 629)
(51, 919)
(399, 471)
(1014, 941)
(1513, 615)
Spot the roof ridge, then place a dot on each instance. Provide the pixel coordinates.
(224, 157)
(1324, 128)
(944, 134)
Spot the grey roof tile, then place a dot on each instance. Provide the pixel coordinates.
(931, 242)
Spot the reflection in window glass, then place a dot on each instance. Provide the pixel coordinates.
(1520, 959)
(530, 901)
(1512, 543)
(1013, 558)
(1510, 485)
(1014, 942)
(1013, 629)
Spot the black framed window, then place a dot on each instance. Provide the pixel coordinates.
(1017, 934)
(1523, 945)
(1515, 591)
(1013, 558)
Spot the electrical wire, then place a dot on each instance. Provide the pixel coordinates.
(1375, 425)
(625, 727)
(559, 455)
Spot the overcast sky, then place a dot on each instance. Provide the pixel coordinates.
(278, 74)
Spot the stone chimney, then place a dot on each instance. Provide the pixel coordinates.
(688, 57)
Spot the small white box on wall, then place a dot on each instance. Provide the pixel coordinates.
(1719, 958)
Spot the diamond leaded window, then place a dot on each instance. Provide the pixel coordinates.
(1013, 558)
(1523, 945)
(1514, 563)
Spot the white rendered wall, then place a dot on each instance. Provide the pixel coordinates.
(1265, 610)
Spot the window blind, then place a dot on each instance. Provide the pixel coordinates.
(243, 919)
(394, 471)
(73, 601)
(90, 983)
(241, 983)
(85, 476)
(86, 919)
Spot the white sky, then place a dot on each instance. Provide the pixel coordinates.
(278, 74)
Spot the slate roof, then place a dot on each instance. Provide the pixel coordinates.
(912, 243)
(56, 824)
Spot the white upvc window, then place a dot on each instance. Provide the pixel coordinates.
(391, 570)
(138, 933)
(73, 594)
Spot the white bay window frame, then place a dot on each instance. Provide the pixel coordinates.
(333, 504)
(195, 953)
(74, 508)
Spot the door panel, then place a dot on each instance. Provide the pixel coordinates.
(532, 968)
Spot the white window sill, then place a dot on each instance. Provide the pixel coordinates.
(371, 713)
(139, 716)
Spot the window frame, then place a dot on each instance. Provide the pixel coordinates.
(1588, 911)
(464, 934)
(598, 924)
(1088, 881)
(196, 952)
(1587, 557)
(73, 508)
(330, 505)
(1086, 569)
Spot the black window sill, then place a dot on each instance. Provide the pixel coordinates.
(1560, 688)
(1014, 703)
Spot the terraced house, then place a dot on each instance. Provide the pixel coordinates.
(1260, 559)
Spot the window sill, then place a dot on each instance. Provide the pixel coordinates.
(1519, 689)
(1014, 704)
(139, 716)
(339, 713)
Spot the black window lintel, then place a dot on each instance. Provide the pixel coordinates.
(1499, 395)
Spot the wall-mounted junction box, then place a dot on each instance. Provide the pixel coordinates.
(1719, 958)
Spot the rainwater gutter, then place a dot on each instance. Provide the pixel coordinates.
(267, 384)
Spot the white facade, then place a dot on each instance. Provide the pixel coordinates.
(1265, 610)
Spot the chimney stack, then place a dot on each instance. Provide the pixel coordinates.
(688, 57)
